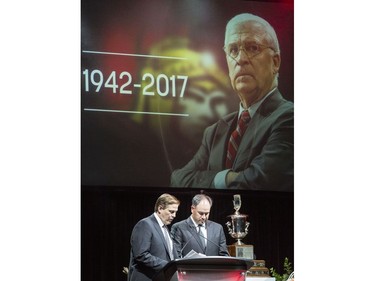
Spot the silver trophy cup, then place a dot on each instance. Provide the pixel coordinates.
(238, 226)
(238, 229)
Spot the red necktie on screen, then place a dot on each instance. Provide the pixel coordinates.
(235, 138)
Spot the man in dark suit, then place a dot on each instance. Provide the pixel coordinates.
(151, 246)
(198, 233)
(262, 158)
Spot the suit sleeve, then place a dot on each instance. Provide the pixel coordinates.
(195, 173)
(146, 247)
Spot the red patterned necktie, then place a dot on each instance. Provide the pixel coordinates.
(235, 138)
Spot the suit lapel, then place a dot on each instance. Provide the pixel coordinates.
(194, 232)
(220, 139)
(252, 133)
(157, 228)
(209, 234)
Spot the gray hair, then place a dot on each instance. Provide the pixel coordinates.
(272, 37)
(199, 197)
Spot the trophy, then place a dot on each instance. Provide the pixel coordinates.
(238, 229)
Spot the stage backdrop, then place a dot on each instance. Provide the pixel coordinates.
(154, 76)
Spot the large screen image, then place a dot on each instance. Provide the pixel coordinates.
(156, 74)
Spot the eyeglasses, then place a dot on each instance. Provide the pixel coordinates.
(251, 49)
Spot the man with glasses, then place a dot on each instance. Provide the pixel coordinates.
(254, 147)
(198, 233)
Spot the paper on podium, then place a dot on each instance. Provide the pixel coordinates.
(194, 254)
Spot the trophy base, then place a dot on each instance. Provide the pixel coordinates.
(259, 269)
(241, 251)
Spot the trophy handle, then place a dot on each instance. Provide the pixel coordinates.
(247, 226)
(228, 224)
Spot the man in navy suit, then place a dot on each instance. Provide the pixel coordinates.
(264, 158)
(198, 233)
(151, 246)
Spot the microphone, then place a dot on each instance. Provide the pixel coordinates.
(191, 236)
(209, 240)
(187, 242)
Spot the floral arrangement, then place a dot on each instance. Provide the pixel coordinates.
(288, 270)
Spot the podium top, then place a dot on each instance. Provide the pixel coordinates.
(214, 262)
(203, 263)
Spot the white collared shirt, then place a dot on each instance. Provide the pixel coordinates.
(254, 107)
(203, 228)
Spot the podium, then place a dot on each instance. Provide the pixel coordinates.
(208, 268)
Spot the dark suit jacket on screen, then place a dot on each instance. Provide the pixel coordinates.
(265, 157)
(149, 250)
(184, 235)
